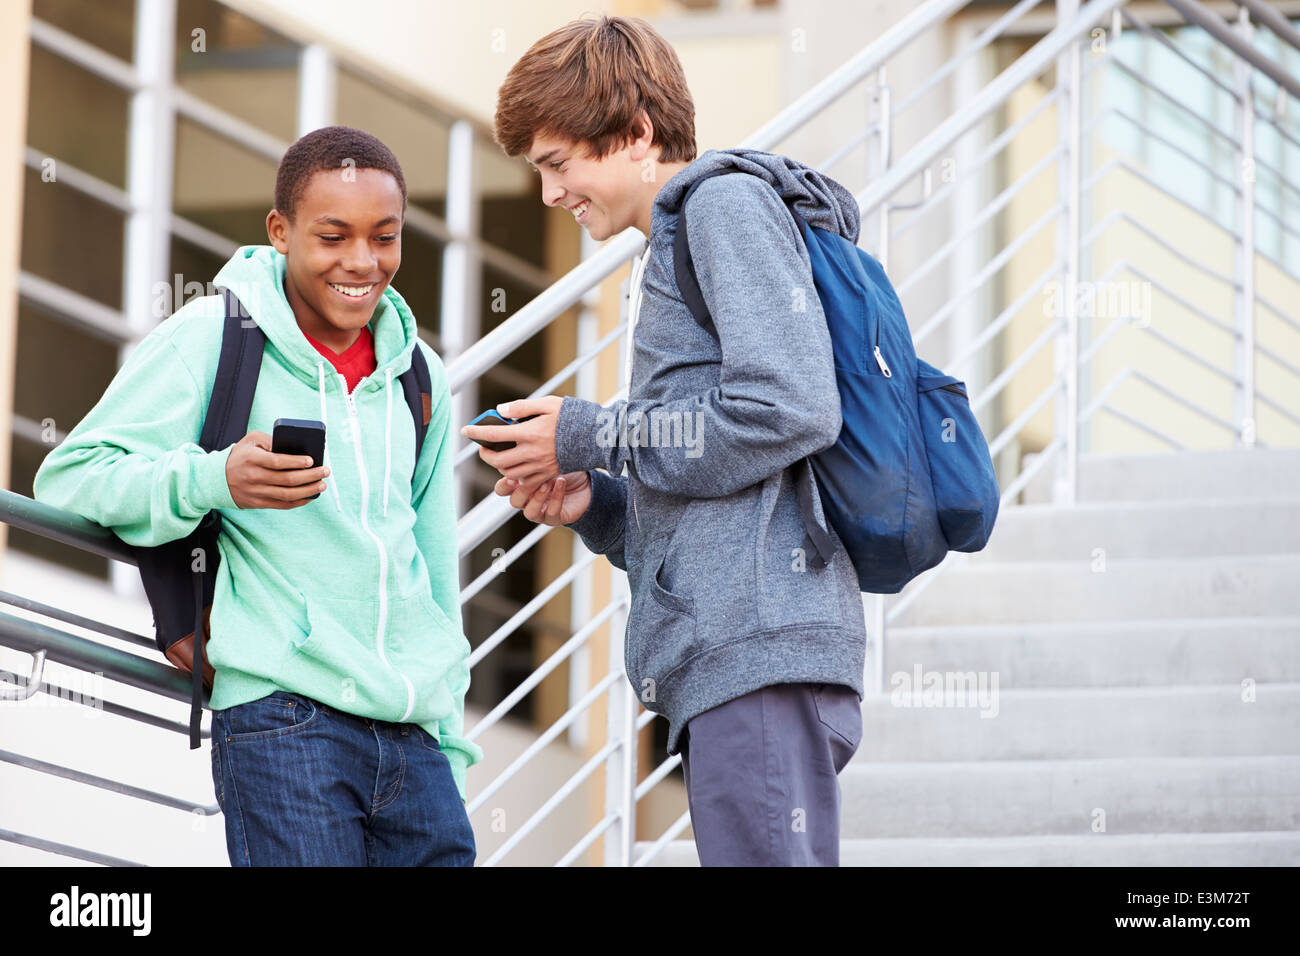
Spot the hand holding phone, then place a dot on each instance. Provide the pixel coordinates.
(492, 418)
(283, 471)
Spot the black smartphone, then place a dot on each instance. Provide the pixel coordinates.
(492, 418)
(300, 436)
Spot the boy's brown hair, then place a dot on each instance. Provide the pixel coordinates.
(586, 81)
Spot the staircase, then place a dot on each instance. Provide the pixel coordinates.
(1146, 710)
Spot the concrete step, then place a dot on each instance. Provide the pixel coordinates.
(1149, 529)
(1116, 590)
(1086, 723)
(984, 798)
(1223, 650)
(1257, 473)
(1255, 848)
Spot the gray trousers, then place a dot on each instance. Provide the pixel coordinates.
(762, 775)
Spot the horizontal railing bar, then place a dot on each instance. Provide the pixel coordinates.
(1007, 374)
(985, 37)
(992, 208)
(1101, 397)
(550, 303)
(1273, 19)
(830, 162)
(500, 564)
(661, 771)
(1186, 402)
(1030, 65)
(1183, 350)
(67, 617)
(557, 728)
(1191, 307)
(1171, 100)
(59, 525)
(668, 836)
(470, 448)
(977, 164)
(1023, 418)
(72, 651)
(989, 269)
(592, 835)
(1261, 397)
(1165, 141)
(104, 783)
(528, 610)
(1119, 322)
(117, 710)
(1143, 426)
(562, 653)
(63, 849)
(1197, 13)
(1141, 25)
(843, 79)
(545, 810)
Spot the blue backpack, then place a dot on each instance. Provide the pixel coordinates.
(910, 477)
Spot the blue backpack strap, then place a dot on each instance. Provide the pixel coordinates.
(816, 543)
(417, 386)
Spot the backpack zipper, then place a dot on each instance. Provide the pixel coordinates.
(383, 555)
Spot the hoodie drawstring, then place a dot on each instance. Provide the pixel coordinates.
(320, 370)
(388, 431)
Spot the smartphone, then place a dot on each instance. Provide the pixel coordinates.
(300, 436)
(492, 418)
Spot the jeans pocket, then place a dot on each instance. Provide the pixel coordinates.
(218, 778)
(275, 715)
(840, 709)
(426, 739)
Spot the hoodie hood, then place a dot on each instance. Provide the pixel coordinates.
(256, 275)
(820, 200)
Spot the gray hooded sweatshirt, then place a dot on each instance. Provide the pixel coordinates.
(713, 437)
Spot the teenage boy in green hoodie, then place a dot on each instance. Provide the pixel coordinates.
(341, 666)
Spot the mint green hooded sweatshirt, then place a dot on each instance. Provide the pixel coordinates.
(352, 599)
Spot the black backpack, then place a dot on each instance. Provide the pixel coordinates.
(180, 576)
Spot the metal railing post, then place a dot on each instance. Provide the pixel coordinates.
(1244, 293)
(1066, 358)
(461, 280)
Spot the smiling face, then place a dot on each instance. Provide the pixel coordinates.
(605, 195)
(342, 248)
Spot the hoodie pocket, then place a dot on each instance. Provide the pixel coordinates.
(661, 634)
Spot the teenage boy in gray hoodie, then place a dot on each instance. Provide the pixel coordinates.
(755, 658)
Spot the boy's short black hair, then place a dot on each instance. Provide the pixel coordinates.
(327, 149)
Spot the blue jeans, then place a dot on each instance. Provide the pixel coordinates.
(303, 784)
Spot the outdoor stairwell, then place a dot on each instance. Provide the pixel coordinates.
(1142, 657)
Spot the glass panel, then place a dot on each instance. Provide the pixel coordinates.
(191, 268)
(72, 240)
(221, 185)
(238, 65)
(75, 117)
(511, 213)
(86, 365)
(108, 24)
(419, 280)
(27, 457)
(416, 135)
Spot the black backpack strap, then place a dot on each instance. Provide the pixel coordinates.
(816, 543)
(226, 422)
(417, 386)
